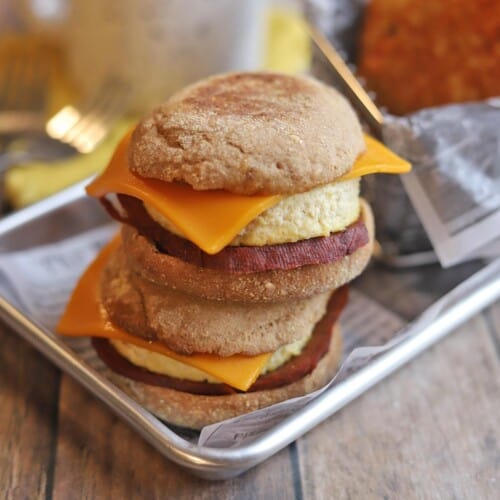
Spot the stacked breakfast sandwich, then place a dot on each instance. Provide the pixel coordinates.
(242, 224)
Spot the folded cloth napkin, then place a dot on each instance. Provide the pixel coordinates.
(287, 50)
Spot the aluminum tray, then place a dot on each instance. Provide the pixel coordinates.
(70, 213)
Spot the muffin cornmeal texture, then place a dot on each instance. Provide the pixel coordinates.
(242, 223)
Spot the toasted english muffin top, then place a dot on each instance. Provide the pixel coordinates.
(249, 133)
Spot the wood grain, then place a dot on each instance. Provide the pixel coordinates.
(28, 412)
(492, 315)
(430, 431)
(98, 456)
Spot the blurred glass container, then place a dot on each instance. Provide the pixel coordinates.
(158, 46)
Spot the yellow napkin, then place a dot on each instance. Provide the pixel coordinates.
(287, 50)
(288, 46)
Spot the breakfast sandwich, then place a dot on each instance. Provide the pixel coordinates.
(242, 225)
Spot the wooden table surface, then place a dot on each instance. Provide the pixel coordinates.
(432, 430)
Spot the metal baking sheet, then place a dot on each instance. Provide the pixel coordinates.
(70, 213)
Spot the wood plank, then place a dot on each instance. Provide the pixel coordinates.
(28, 418)
(430, 431)
(492, 315)
(98, 456)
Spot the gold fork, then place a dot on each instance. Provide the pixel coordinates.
(73, 129)
(84, 128)
(25, 72)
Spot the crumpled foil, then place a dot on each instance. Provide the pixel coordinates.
(454, 149)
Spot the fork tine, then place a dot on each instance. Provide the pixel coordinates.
(93, 122)
(24, 73)
(36, 94)
(62, 121)
(89, 115)
(95, 130)
(5, 69)
(22, 81)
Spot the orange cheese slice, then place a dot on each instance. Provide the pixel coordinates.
(85, 317)
(212, 219)
(377, 159)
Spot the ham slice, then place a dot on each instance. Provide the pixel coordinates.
(293, 370)
(243, 259)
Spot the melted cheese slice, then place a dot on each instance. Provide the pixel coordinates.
(212, 219)
(377, 159)
(85, 316)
